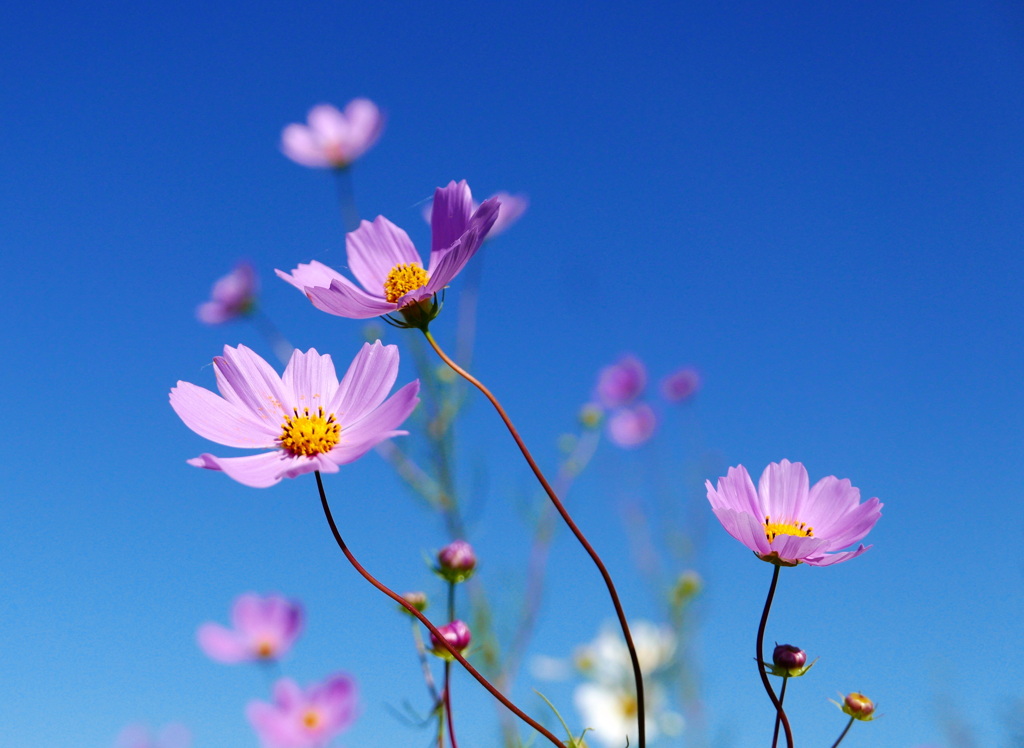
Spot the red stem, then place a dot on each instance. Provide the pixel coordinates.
(423, 619)
(781, 714)
(641, 727)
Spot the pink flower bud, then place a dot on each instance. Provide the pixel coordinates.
(455, 633)
(456, 561)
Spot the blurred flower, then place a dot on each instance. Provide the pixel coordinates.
(456, 561)
(784, 523)
(858, 706)
(591, 415)
(606, 659)
(386, 263)
(232, 296)
(139, 736)
(308, 718)
(687, 586)
(611, 712)
(264, 628)
(333, 139)
(631, 426)
(455, 633)
(680, 385)
(512, 208)
(309, 419)
(418, 600)
(622, 382)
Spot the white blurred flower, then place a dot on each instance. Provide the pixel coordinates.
(611, 713)
(606, 659)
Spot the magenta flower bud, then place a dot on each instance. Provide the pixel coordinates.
(456, 561)
(232, 296)
(859, 706)
(788, 657)
(455, 633)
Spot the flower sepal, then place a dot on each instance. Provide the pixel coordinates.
(774, 558)
(418, 314)
(857, 705)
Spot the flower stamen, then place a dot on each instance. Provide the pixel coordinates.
(311, 719)
(772, 529)
(402, 279)
(309, 434)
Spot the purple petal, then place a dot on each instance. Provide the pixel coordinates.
(834, 558)
(328, 124)
(344, 299)
(449, 264)
(783, 490)
(854, 525)
(248, 381)
(736, 491)
(622, 382)
(365, 124)
(247, 614)
(257, 471)
(449, 216)
(214, 418)
(302, 146)
(744, 527)
(512, 208)
(312, 380)
(797, 547)
(374, 249)
(221, 644)
(377, 426)
(631, 427)
(369, 379)
(312, 275)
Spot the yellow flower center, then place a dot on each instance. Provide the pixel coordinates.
(402, 279)
(629, 706)
(311, 719)
(265, 649)
(309, 434)
(771, 529)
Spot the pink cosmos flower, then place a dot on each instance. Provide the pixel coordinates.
(233, 296)
(631, 426)
(308, 418)
(512, 208)
(139, 736)
(333, 139)
(265, 628)
(309, 718)
(785, 523)
(680, 385)
(622, 382)
(386, 263)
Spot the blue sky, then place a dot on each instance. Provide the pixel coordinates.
(817, 205)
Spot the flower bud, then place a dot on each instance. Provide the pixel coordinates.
(418, 600)
(687, 587)
(455, 633)
(789, 661)
(789, 657)
(858, 706)
(456, 561)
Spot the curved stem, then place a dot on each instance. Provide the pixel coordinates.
(423, 619)
(778, 719)
(843, 733)
(448, 703)
(781, 714)
(637, 676)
